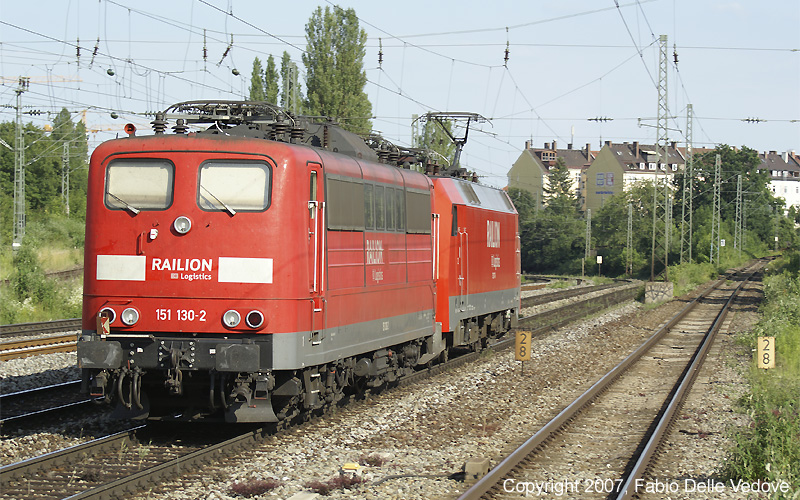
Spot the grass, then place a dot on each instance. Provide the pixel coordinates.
(769, 449)
(52, 245)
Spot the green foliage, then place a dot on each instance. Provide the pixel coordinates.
(561, 229)
(761, 205)
(770, 448)
(271, 81)
(28, 280)
(524, 203)
(52, 244)
(552, 243)
(44, 158)
(257, 92)
(688, 276)
(264, 82)
(558, 190)
(335, 76)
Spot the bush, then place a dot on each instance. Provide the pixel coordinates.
(336, 483)
(54, 245)
(770, 448)
(688, 276)
(29, 280)
(254, 487)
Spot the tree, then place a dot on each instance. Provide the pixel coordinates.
(271, 81)
(45, 150)
(558, 190)
(760, 205)
(257, 91)
(335, 76)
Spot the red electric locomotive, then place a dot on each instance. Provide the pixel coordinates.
(267, 265)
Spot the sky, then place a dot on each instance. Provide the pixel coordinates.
(578, 71)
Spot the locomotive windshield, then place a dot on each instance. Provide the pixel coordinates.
(144, 184)
(234, 185)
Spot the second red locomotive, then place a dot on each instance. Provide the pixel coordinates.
(268, 265)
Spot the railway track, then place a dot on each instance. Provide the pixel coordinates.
(66, 343)
(32, 329)
(568, 293)
(119, 464)
(22, 406)
(43, 345)
(600, 444)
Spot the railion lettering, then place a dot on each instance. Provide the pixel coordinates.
(181, 264)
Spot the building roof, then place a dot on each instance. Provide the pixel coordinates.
(780, 165)
(632, 155)
(574, 158)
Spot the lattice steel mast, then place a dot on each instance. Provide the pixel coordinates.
(19, 170)
(715, 216)
(660, 203)
(688, 192)
(737, 234)
(629, 247)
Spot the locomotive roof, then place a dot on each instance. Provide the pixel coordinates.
(476, 195)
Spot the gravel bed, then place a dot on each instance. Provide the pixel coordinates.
(425, 433)
(696, 449)
(36, 371)
(530, 311)
(430, 429)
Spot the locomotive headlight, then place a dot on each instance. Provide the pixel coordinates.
(254, 319)
(231, 318)
(108, 313)
(182, 224)
(129, 316)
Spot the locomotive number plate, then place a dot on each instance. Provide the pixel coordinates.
(180, 315)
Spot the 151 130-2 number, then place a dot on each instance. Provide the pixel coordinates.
(181, 315)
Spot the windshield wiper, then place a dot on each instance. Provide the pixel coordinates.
(133, 210)
(226, 207)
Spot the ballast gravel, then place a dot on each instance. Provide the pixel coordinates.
(37, 371)
(412, 442)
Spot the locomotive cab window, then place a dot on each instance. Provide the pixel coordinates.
(234, 186)
(144, 184)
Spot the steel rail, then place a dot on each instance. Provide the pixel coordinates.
(566, 294)
(145, 477)
(676, 402)
(66, 394)
(44, 345)
(29, 329)
(57, 458)
(492, 478)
